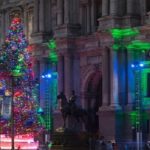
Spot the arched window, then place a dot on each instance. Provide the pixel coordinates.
(147, 5)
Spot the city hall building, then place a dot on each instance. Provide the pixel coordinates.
(102, 78)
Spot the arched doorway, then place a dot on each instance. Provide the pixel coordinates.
(93, 101)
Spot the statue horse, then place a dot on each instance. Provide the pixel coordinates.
(72, 110)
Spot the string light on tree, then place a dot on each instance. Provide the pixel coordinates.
(15, 62)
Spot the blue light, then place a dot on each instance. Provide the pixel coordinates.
(132, 65)
(43, 76)
(49, 75)
(141, 65)
(40, 110)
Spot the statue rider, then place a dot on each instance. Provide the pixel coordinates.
(63, 99)
(72, 100)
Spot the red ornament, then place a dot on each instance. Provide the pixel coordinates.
(32, 75)
(18, 94)
(29, 65)
(30, 48)
(7, 40)
(16, 21)
(4, 75)
(19, 40)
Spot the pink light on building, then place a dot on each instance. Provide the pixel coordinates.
(24, 142)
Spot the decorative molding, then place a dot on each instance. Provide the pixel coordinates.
(94, 60)
(82, 2)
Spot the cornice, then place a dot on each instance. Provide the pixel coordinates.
(15, 4)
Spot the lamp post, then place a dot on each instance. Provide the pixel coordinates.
(0, 117)
(138, 100)
(12, 115)
(48, 106)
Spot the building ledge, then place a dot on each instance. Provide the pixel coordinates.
(108, 22)
(67, 30)
(113, 107)
(39, 37)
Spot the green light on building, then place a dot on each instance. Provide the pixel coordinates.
(52, 53)
(124, 33)
(138, 46)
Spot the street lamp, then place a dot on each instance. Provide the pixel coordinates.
(137, 66)
(12, 77)
(48, 105)
(12, 114)
(47, 76)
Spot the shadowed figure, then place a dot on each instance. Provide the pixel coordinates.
(71, 109)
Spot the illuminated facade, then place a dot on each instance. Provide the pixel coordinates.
(101, 77)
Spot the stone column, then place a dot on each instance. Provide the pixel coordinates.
(25, 20)
(3, 26)
(105, 78)
(113, 7)
(114, 100)
(66, 11)
(105, 7)
(88, 19)
(60, 74)
(42, 91)
(7, 23)
(36, 68)
(41, 16)
(122, 77)
(93, 16)
(130, 7)
(130, 79)
(36, 16)
(68, 75)
(59, 12)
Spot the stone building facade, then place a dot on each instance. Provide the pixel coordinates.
(86, 61)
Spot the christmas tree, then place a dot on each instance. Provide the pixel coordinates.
(17, 84)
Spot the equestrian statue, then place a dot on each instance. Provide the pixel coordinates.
(70, 109)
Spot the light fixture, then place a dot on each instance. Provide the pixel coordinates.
(48, 76)
(141, 65)
(132, 65)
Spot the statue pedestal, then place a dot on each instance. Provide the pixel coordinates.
(70, 140)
